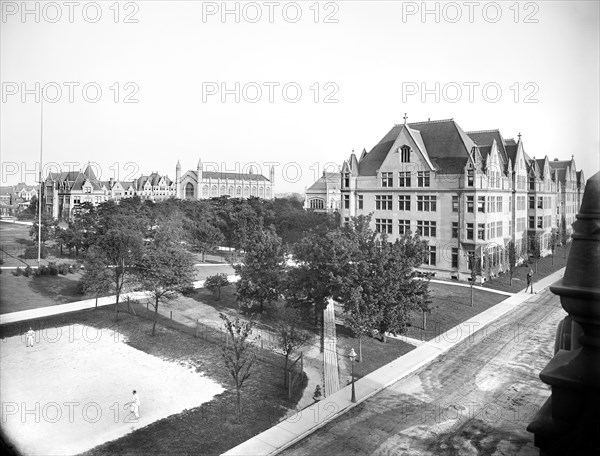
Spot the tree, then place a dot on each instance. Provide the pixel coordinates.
(564, 235)
(357, 317)
(165, 270)
(215, 282)
(321, 259)
(239, 358)
(512, 259)
(553, 241)
(535, 249)
(392, 287)
(475, 267)
(49, 228)
(262, 270)
(203, 236)
(289, 335)
(112, 260)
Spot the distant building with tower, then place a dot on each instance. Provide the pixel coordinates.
(199, 184)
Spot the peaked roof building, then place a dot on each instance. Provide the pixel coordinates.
(468, 193)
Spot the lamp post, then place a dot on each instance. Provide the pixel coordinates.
(352, 356)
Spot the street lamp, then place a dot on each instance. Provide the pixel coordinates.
(352, 356)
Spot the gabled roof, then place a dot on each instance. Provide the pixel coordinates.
(324, 181)
(442, 142)
(487, 137)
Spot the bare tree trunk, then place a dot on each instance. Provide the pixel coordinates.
(360, 355)
(471, 294)
(117, 306)
(238, 408)
(285, 368)
(155, 316)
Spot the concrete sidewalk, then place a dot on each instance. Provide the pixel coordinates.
(308, 420)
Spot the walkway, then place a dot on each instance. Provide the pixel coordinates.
(330, 359)
(307, 421)
(41, 312)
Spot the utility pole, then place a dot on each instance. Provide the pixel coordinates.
(40, 192)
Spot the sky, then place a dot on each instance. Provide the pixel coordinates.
(133, 87)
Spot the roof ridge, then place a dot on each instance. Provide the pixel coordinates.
(483, 131)
(428, 121)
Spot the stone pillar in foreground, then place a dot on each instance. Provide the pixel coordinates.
(569, 422)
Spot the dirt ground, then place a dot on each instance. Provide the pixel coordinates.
(68, 393)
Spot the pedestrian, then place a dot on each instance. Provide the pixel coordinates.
(529, 281)
(30, 335)
(134, 405)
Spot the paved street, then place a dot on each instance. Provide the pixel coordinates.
(476, 399)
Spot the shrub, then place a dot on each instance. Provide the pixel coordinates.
(19, 271)
(63, 268)
(71, 270)
(31, 252)
(52, 269)
(42, 270)
(28, 271)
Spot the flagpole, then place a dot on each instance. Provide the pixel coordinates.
(40, 192)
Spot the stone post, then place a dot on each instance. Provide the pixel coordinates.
(569, 421)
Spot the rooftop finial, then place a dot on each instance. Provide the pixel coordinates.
(405, 117)
(519, 135)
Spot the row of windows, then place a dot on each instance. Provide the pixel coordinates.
(424, 227)
(404, 179)
(542, 222)
(428, 203)
(543, 202)
(425, 203)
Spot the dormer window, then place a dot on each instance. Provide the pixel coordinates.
(346, 180)
(470, 177)
(405, 154)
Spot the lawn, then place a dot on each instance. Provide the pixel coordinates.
(375, 353)
(451, 305)
(207, 429)
(21, 293)
(545, 267)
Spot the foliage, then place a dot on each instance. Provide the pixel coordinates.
(215, 282)
(262, 270)
(238, 356)
(52, 269)
(289, 335)
(373, 278)
(111, 262)
(165, 270)
(49, 227)
(512, 259)
(31, 252)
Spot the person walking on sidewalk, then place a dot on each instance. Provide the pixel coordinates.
(529, 281)
(30, 337)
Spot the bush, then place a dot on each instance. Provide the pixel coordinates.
(28, 271)
(42, 270)
(19, 271)
(52, 269)
(63, 268)
(31, 252)
(71, 270)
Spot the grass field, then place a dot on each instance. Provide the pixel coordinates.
(207, 428)
(451, 305)
(21, 293)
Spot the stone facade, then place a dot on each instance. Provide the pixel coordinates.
(200, 184)
(467, 193)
